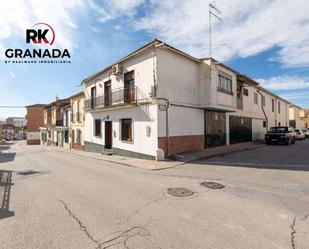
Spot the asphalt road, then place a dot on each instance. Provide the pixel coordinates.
(77, 202)
(292, 157)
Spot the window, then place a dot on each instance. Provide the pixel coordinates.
(246, 92)
(225, 83)
(264, 123)
(255, 98)
(279, 124)
(97, 127)
(78, 113)
(263, 101)
(126, 130)
(273, 105)
(279, 107)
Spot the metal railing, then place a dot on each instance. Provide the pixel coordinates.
(119, 96)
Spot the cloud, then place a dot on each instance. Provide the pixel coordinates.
(285, 83)
(111, 9)
(247, 28)
(17, 15)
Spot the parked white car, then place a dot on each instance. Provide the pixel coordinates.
(300, 134)
(306, 131)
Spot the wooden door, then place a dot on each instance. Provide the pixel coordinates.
(129, 87)
(93, 95)
(108, 135)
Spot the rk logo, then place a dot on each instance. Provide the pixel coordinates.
(44, 33)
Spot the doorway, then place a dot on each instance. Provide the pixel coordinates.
(215, 129)
(108, 135)
(107, 93)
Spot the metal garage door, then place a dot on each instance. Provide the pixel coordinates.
(240, 129)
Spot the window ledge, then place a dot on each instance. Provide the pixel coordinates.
(225, 91)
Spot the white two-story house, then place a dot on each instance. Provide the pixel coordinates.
(159, 101)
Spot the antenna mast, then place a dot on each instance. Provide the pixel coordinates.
(211, 10)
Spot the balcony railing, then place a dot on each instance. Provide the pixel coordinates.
(120, 96)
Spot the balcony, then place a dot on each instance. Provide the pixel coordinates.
(118, 97)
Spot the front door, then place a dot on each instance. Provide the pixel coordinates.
(108, 135)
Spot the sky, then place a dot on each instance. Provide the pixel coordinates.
(267, 40)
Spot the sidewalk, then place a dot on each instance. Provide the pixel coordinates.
(180, 159)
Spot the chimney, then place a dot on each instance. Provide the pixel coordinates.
(57, 98)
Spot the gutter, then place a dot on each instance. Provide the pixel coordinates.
(258, 90)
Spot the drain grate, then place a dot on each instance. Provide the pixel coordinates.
(180, 192)
(28, 172)
(212, 185)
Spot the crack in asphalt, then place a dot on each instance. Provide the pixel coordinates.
(121, 237)
(81, 225)
(293, 232)
(145, 206)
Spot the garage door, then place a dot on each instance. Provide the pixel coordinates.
(240, 129)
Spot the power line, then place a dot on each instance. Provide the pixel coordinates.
(12, 106)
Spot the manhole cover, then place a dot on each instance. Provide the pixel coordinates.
(180, 192)
(212, 185)
(28, 172)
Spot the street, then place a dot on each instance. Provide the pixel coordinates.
(52, 199)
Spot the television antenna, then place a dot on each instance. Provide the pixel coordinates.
(215, 12)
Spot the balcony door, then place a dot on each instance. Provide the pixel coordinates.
(129, 86)
(93, 95)
(107, 93)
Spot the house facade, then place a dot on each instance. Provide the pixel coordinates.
(77, 121)
(35, 120)
(159, 101)
(55, 125)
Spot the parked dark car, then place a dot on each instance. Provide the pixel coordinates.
(280, 134)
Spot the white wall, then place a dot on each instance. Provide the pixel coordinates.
(141, 142)
(178, 81)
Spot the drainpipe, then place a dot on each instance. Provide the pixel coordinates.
(262, 96)
(166, 124)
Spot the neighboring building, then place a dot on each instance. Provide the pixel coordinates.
(306, 119)
(77, 120)
(53, 131)
(66, 127)
(17, 121)
(159, 101)
(296, 117)
(35, 120)
(9, 131)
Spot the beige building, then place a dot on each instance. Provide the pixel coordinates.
(77, 121)
(55, 130)
(296, 116)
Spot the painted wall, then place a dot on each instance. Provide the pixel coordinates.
(140, 120)
(143, 66)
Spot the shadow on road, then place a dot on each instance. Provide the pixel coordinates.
(7, 157)
(5, 192)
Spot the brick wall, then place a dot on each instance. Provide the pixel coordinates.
(35, 118)
(178, 144)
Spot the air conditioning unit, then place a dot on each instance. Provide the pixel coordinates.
(116, 69)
